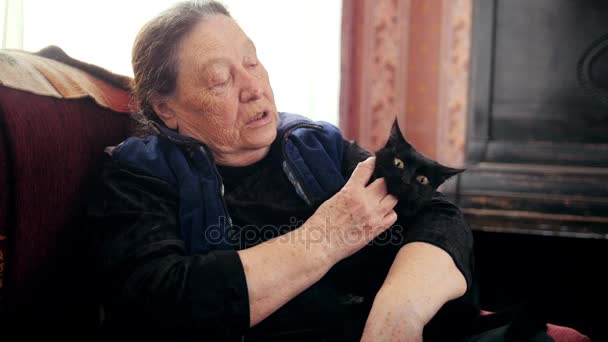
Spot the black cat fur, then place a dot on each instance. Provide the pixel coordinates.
(402, 165)
(409, 175)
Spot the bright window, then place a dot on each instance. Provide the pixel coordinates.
(298, 41)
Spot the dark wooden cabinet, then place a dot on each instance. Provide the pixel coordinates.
(537, 144)
(536, 187)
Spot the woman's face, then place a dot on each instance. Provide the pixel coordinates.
(223, 96)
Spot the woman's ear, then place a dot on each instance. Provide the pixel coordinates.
(162, 108)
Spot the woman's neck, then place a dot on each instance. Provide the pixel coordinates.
(241, 158)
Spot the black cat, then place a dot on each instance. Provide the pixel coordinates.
(409, 175)
(414, 178)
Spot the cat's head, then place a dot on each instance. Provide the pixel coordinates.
(409, 175)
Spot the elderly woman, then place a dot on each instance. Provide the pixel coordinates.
(228, 220)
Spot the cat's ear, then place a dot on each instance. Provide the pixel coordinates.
(396, 136)
(448, 172)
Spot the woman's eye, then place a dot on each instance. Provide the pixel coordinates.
(399, 163)
(220, 82)
(251, 62)
(422, 180)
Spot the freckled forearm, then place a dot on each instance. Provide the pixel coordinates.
(423, 277)
(279, 269)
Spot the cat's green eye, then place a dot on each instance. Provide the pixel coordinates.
(422, 180)
(399, 163)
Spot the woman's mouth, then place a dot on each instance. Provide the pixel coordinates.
(260, 119)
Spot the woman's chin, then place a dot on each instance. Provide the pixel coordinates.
(261, 139)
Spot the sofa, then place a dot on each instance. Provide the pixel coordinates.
(55, 120)
(57, 115)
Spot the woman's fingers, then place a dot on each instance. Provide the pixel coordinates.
(378, 188)
(362, 172)
(358, 209)
(388, 203)
(389, 219)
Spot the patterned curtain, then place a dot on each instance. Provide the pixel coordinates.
(407, 59)
(374, 59)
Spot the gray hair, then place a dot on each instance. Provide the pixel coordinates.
(154, 55)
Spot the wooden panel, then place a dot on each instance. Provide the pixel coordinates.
(537, 144)
(536, 199)
(481, 90)
(536, 93)
(547, 153)
(525, 86)
(586, 123)
(536, 179)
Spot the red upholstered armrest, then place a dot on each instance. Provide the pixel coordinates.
(55, 121)
(559, 333)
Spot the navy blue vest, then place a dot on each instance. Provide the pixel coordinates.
(311, 159)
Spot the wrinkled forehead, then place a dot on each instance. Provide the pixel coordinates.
(217, 36)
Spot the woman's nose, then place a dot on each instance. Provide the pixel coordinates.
(250, 94)
(251, 90)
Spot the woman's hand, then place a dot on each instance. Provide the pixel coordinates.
(279, 269)
(354, 216)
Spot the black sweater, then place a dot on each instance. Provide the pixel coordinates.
(151, 288)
